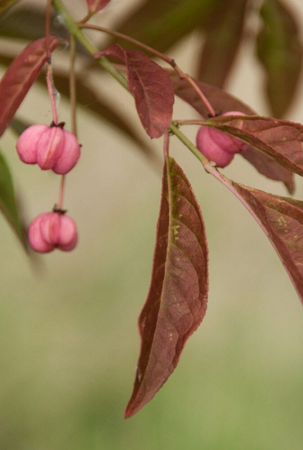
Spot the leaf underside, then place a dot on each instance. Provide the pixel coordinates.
(281, 219)
(280, 139)
(224, 102)
(19, 78)
(151, 88)
(177, 299)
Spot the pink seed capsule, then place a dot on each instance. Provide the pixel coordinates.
(52, 230)
(49, 147)
(218, 146)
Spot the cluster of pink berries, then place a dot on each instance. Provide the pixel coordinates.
(51, 147)
(217, 146)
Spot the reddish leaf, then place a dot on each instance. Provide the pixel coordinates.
(269, 167)
(224, 102)
(219, 99)
(280, 139)
(177, 299)
(151, 87)
(224, 36)
(281, 219)
(20, 76)
(96, 5)
(280, 52)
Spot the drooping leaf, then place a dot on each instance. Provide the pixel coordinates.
(5, 4)
(280, 139)
(268, 167)
(8, 204)
(160, 24)
(20, 76)
(177, 299)
(151, 88)
(224, 102)
(220, 100)
(223, 39)
(280, 52)
(96, 5)
(281, 219)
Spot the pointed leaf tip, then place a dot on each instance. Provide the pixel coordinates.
(281, 219)
(177, 298)
(95, 6)
(151, 87)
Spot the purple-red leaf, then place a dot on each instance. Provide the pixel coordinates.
(281, 219)
(223, 39)
(280, 52)
(280, 139)
(20, 76)
(268, 167)
(151, 87)
(220, 100)
(96, 5)
(224, 102)
(177, 299)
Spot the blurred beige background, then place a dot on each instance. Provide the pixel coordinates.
(68, 335)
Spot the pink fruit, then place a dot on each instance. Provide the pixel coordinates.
(52, 230)
(218, 146)
(49, 147)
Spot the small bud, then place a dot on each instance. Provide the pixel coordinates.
(52, 230)
(49, 147)
(218, 146)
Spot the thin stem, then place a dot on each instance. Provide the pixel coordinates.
(160, 55)
(50, 87)
(86, 18)
(189, 122)
(166, 145)
(74, 30)
(61, 192)
(196, 88)
(49, 73)
(72, 85)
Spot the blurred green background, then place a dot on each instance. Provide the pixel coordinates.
(68, 335)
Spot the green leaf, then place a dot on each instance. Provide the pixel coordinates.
(20, 76)
(280, 52)
(161, 24)
(25, 23)
(5, 4)
(8, 204)
(224, 36)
